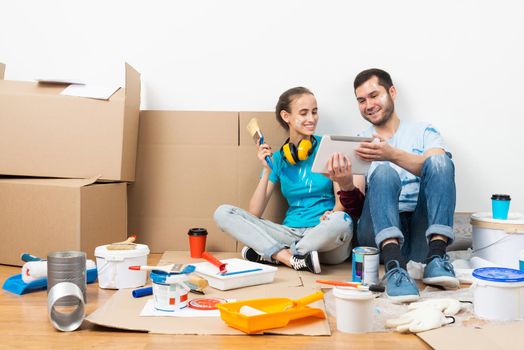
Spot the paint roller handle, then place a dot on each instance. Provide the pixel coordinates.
(310, 298)
(26, 257)
(221, 266)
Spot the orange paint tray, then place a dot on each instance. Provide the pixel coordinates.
(276, 312)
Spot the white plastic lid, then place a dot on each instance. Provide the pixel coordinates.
(352, 293)
(513, 218)
(103, 252)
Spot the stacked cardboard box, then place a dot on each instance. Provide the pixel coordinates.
(64, 144)
(189, 163)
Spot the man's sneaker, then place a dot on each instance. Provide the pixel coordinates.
(306, 262)
(251, 255)
(439, 272)
(399, 286)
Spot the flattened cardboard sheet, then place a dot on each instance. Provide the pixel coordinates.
(493, 337)
(122, 310)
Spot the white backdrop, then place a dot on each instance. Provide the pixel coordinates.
(457, 64)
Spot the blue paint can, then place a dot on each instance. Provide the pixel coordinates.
(365, 262)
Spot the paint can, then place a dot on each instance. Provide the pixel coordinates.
(170, 293)
(365, 262)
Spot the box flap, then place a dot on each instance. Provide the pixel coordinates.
(132, 83)
(2, 71)
(50, 182)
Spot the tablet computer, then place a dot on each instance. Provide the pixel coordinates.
(344, 144)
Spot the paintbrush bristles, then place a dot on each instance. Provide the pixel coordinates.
(253, 129)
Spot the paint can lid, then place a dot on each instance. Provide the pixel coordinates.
(352, 293)
(499, 274)
(205, 303)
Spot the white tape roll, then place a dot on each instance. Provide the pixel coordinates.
(65, 322)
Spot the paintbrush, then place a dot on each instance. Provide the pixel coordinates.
(124, 245)
(254, 130)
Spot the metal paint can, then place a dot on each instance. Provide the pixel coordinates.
(365, 262)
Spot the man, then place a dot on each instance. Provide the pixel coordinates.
(410, 198)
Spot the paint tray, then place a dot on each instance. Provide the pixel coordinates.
(277, 312)
(16, 285)
(241, 273)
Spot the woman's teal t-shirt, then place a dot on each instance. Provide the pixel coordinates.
(308, 194)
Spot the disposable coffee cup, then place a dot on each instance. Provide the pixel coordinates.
(197, 241)
(500, 206)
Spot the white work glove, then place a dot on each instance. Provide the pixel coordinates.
(418, 320)
(448, 306)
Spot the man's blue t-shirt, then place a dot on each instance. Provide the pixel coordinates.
(308, 194)
(412, 137)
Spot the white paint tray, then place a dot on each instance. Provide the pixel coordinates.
(218, 281)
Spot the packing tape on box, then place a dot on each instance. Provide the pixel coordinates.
(70, 321)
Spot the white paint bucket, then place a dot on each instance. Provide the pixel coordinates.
(498, 293)
(498, 241)
(170, 293)
(354, 310)
(113, 267)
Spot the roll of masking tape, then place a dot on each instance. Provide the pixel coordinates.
(69, 321)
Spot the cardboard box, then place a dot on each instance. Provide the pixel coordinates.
(47, 134)
(188, 164)
(39, 216)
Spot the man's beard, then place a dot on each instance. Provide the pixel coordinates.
(388, 110)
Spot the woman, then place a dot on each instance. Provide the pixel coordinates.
(316, 228)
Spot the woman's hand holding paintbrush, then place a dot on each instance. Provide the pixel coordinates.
(264, 150)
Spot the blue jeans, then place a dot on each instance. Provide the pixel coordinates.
(433, 214)
(331, 237)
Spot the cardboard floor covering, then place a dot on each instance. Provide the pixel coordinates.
(122, 310)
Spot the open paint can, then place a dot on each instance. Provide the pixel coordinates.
(170, 293)
(498, 293)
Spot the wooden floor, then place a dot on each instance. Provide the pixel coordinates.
(24, 325)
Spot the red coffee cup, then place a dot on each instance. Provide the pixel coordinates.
(197, 241)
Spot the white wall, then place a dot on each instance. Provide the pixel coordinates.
(458, 64)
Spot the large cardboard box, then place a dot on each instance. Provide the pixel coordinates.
(43, 215)
(47, 134)
(189, 163)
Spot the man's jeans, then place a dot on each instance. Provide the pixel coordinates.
(433, 214)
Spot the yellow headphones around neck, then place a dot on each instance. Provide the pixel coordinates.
(295, 153)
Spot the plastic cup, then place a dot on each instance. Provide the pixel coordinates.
(500, 206)
(354, 310)
(197, 241)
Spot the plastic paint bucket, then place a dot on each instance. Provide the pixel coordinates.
(170, 293)
(498, 293)
(364, 266)
(354, 310)
(498, 241)
(113, 267)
